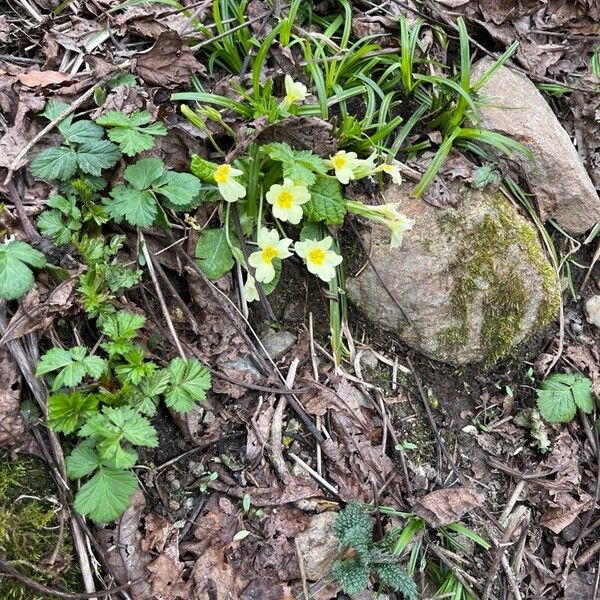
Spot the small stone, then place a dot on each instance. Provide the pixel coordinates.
(242, 365)
(562, 186)
(278, 343)
(319, 546)
(369, 360)
(195, 468)
(188, 504)
(175, 485)
(592, 310)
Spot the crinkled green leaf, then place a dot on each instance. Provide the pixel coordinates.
(54, 163)
(73, 365)
(326, 202)
(92, 157)
(106, 496)
(82, 131)
(189, 381)
(142, 174)
(561, 394)
(134, 367)
(144, 397)
(213, 253)
(131, 132)
(120, 328)
(16, 278)
(66, 412)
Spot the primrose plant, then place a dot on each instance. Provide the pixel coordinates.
(275, 187)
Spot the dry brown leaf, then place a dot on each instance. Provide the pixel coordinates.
(123, 551)
(169, 63)
(446, 506)
(11, 424)
(213, 577)
(42, 78)
(158, 531)
(564, 510)
(309, 133)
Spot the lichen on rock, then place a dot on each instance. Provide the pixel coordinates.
(468, 284)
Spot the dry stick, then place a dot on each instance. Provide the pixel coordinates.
(314, 474)
(442, 445)
(7, 569)
(161, 298)
(17, 162)
(302, 571)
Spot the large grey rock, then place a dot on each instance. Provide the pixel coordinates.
(468, 284)
(563, 189)
(318, 546)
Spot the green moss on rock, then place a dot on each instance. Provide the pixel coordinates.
(482, 272)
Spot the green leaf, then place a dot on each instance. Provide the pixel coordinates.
(92, 157)
(326, 202)
(144, 397)
(135, 368)
(203, 169)
(561, 394)
(131, 132)
(351, 574)
(121, 328)
(213, 253)
(189, 381)
(54, 163)
(113, 454)
(73, 365)
(82, 461)
(179, 188)
(82, 131)
(137, 207)
(106, 496)
(16, 278)
(54, 109)
(66, 412)
(298, 165)
(142, 174)
(394, 576)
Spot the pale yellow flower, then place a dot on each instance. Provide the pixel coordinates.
(231, 189)
(250, 291)
(287, 200)
(344, 164)
(398, 227)
(319, 259)
(271, 247)
(294, 91)
(392, 170)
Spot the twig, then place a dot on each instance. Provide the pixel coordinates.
(7, 569)
(17, 162)
(161, 298)
(314, 474)
(302, 571)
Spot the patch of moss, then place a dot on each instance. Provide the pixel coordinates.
(504, 297)
(30, 530)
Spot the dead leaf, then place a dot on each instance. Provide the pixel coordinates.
(42, 78)
(213, 577)
(564, 509)
(158, 531)
(123, 551)
(303, 133)
(580, 585)
(446, 506)
(11, 424)
(169, 63)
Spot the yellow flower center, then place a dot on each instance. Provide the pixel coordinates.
(285, 199)
(222, 173)
(339, 162)
(268, 254)
(387, 168)
(316, 256)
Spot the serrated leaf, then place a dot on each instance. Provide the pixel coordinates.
(142, 174)
(137, 207)
(135, 368)
(189, 381)
(203, 169)
(179, 188)
(298, 165)
(131, 132)
(66, 412)
(144, 397)
(213, 253)
(73, 365)
(561, 394)
(130, 140)
(82, 461)
(326, 202)
(16, 278)
(113, 454)
(82, 131)
(121, 328)
(54, 163)
(92, 157)
(106, 495)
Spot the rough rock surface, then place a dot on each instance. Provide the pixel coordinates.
(592, 310)
(468, 284)
(318, 546)
(563, 189)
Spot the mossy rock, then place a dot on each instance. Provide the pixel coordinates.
(30, 530)
(468, 284)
